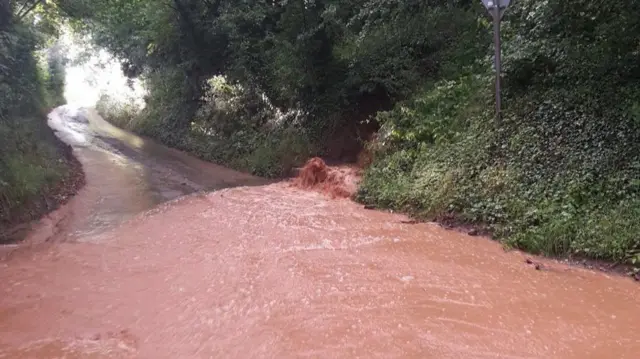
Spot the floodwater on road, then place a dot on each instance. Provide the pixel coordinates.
(127, 174)
(271, 271)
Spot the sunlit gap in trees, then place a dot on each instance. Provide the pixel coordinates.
(92, 73)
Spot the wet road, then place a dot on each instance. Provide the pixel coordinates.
(126, 174)
(270, 271)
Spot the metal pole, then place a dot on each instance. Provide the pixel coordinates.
(496, 39)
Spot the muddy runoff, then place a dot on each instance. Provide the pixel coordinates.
(275, 271)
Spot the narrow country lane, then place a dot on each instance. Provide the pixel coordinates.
(127, 174)
(136, 269)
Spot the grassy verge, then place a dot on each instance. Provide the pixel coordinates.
(37, 175)
(556, 177)
(37, 171)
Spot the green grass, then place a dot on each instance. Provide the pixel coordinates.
(30, 164)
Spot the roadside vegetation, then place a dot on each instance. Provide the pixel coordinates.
(263, 85)
(560, 175)
(32, 161)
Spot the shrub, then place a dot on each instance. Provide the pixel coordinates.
(231, 126)
(30, 161)
(557, 176)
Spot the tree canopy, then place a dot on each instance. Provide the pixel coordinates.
(325, 57)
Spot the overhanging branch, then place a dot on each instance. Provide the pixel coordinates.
(21, 14)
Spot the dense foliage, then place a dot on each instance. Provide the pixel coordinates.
(326, 65)
(559, 174)
(31, 82)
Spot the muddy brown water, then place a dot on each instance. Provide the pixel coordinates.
(138, 270)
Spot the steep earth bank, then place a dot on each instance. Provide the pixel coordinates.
(16, 222)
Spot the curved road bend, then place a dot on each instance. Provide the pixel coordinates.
(269, 271)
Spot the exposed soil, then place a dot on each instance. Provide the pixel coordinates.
(18, 225)
(347, 141)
